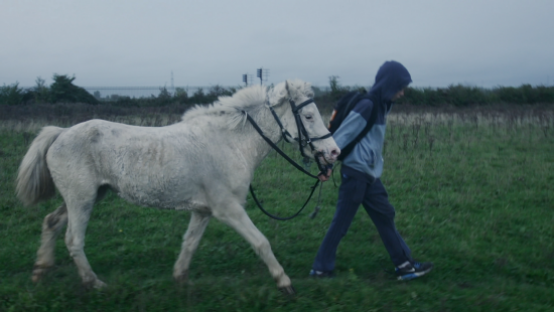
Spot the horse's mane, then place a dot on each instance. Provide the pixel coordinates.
(250, 100)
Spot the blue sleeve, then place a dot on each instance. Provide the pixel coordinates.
(354, 123)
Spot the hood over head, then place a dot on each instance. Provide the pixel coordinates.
(391, 78)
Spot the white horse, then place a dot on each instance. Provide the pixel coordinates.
(204, 164)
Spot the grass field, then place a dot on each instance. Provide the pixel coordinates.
(473, 192)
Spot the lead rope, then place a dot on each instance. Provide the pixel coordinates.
(283, 218)
(333, 175)
(317, 207)
(292, 162)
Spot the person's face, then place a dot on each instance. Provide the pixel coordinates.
(398, 95)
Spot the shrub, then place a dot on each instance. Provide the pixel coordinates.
(164, 98)
(41, 91)
(181, 95)
(63, 90)
(11, 95)
(199, 97)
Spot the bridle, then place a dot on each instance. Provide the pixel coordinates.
(303, 140)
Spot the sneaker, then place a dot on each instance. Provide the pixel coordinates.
(413, 270)
(321, 274)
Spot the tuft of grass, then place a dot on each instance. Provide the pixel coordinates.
(472, 190)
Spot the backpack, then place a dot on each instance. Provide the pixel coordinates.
(342, 108)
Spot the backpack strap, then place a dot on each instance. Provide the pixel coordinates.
(372, 119)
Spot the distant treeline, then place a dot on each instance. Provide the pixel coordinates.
(62, 90)
(461, 95)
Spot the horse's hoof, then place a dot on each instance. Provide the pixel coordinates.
(287, 290)
(38, 272)
(36, 278)
(182, 278)
(98, 284)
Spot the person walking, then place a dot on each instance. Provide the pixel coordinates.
(361, 184)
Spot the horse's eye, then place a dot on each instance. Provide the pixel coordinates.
(309, 117)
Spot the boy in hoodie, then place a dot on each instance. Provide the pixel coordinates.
(361, 184)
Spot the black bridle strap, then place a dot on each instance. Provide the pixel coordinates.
(283, 218)
(284, 131)
(292, 162)
(300, 125)
(296, 108)
(276, 148)
(328, 135)
(302, 130)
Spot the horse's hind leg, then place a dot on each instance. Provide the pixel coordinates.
(235, 216)
(78, 216)
(195, 230)
(51, 227)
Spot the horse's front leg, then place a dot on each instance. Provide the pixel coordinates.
(195, 230)
(235, 216)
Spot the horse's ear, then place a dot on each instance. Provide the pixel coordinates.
(287, 88)
(280, 93)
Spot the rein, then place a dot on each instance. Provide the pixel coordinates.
(302, 143)
(277, 149)
(294, 215)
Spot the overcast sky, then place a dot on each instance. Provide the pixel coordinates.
(204, 43)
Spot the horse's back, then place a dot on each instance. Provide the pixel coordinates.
(145, 165)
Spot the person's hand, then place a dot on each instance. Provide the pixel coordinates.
(324, 177)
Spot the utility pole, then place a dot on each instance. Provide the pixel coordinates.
(245, 79)
(259, 74)
(262, 74)
(172, 86)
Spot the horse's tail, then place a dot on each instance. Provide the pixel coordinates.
(34, 182)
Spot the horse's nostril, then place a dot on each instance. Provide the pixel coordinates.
(335, 152)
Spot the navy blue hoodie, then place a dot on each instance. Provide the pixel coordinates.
(366, 157)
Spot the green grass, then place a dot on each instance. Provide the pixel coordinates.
(476, 198)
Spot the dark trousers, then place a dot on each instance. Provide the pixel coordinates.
(356, 190)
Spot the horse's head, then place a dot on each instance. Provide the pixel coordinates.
(302, 121)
